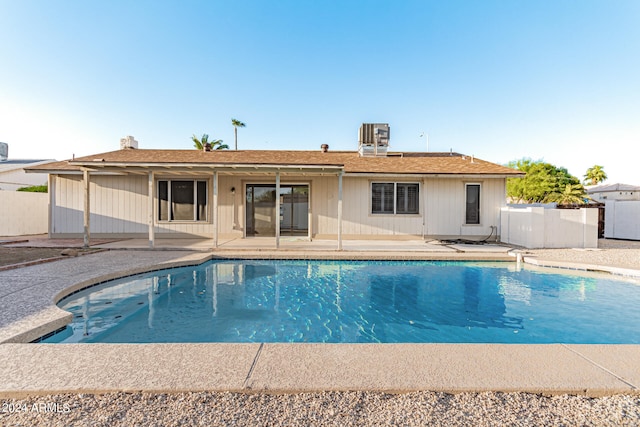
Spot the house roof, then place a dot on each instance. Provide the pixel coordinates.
(348, 161)
(605, 188)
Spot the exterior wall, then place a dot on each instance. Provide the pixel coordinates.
(536, 227)
(13, 179)
(18, 178)
(357, 219)
(446, 207)
(443, 198)
(605, 196)
(119, 207)
(23, 213)
(621, 220)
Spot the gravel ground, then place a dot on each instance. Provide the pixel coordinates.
(329, 408)
(616, 253)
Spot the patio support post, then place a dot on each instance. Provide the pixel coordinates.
(424, 208)
(277, 209)
(340, 210)
(309, 216)
(152, 236)
(51, 179)
(215, 209)
(87, 207)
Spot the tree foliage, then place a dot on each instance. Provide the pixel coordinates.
(595, 175)
(543, 183)
(200, 143)
(236, 124)
(35, 189)
(572, 194)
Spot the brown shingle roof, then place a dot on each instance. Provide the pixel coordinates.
(394, 163)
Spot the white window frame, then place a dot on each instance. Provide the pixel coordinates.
(395, 197)
(195, 198)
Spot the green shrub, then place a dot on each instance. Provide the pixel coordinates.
(35, 189)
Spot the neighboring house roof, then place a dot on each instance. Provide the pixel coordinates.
(11, 165)
(349, 161)
(606, 188)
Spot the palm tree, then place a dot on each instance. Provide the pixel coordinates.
(215, 144)
(236, 124)
(572, 194)
(595, 175)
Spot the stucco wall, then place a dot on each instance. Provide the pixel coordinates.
(23, 213)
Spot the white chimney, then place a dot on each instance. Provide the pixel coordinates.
(4, 151)
(128, 142)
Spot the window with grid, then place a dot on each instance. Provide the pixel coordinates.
(395, 198)
(182, 200)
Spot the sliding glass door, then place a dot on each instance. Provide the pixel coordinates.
(294, 208)
(261, 210)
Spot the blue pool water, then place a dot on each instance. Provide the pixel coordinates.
(357, 302)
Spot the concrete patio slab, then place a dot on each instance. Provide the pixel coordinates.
(438, 367)
(29, 369)
(487, 248)
(584, 267)
(623, 360)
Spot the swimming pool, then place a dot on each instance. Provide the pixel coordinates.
(357, 302)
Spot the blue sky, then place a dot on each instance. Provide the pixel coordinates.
(502, 80)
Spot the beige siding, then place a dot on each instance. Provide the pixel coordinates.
(66, 214)
(119, 206)
(446, 206)
(358, 219)
(230, 206)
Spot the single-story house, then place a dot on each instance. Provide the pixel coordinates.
(607, 192)
(323, 194)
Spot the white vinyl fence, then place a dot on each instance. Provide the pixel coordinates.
(23, 213)
(537, 227)
(622, 220)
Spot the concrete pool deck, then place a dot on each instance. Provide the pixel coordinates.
(27, 311)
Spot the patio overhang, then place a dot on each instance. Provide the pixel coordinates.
(155, 170)
(195, 168)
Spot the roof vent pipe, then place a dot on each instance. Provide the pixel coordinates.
(324, 148)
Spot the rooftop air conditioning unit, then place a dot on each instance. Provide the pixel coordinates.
(373, 139)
